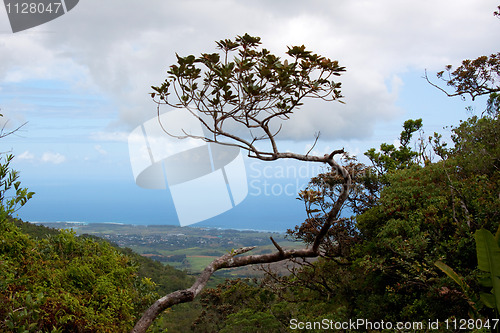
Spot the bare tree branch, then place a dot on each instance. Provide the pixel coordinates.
(4, 132)
(280, 250)
(315, 142)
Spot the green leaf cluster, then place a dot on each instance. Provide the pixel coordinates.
(67, 283)
(12, 195)
(488, 258)
(252, 77)
(390, 158)
(240, 306)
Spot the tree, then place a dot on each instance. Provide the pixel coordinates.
(254, 91)
(381, 264)
(477, 77)
(367, 184)
(12, 195)
(474, 77)
(250, 94)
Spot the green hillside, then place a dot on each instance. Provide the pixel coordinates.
(55, 281)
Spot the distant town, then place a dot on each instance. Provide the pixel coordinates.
(188, 248)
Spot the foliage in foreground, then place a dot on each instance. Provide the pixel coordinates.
(67, 283)
(54, 281)
(412, 214)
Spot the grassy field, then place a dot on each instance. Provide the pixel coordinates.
(197, 258)
(185, 248)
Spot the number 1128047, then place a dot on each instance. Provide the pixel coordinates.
(471, 324)
(34, 8)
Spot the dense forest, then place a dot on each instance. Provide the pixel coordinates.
(410, 255)
(55, 281)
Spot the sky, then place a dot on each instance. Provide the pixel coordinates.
(81, 85)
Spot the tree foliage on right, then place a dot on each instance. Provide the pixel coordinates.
(422, 241)
(381, 264)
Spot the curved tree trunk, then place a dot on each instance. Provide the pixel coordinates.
(233, 259)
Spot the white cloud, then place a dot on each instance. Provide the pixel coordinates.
(100, 150)
(54, 158)
(376, 41)
(111, 136)
(26, 156)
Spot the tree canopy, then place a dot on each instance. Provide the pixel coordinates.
(242, 94)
